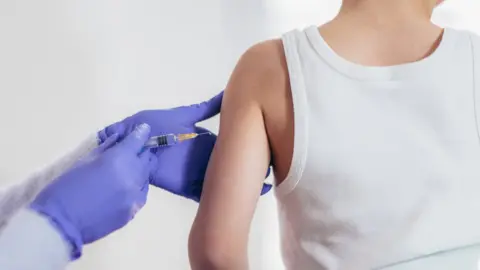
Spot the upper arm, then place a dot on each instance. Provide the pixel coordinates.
(238, 165)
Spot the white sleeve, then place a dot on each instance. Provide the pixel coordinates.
(16, 197)
(30, 242)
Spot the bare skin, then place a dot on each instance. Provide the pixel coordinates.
(257, 118)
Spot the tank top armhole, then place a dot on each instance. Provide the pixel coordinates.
(300, 109)
(475, 42)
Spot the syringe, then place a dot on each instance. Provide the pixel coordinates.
(171, 139)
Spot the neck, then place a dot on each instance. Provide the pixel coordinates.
(389, 11)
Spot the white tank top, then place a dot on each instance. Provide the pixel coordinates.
(386, 160)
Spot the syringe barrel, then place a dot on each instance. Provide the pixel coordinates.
(171, 139)
(162, 140)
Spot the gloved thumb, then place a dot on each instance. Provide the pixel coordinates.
(205, 110)
(136, 140)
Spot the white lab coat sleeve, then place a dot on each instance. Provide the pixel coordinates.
(30, 242)
(20, 195)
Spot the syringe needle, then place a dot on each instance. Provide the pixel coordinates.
(189, 136)
(204, 133)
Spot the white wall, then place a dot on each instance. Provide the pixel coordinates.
(69, 67)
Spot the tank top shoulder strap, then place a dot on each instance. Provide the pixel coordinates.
(475, 41)
(292, 44)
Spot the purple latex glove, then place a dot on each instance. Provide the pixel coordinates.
(181, 168)
(101, 194)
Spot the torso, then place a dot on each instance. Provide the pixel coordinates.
(374, 162)
(278, 105)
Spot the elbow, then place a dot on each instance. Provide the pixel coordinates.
(208, 254)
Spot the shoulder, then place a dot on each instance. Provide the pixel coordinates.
(265, 50)
(265, 57)
(260, 68)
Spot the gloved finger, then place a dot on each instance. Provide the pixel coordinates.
(109, 142)
(149, 163)
(142, 196)
(196, 191)
(117, 128)
(205, 110)
(135, 141)
(140, 200)
(266, 188)
(196, 199)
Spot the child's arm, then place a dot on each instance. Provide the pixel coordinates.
(219, 236)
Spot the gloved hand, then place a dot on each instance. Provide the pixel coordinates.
(181, 168)
(101, 194)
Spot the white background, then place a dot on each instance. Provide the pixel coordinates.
(67, 68)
